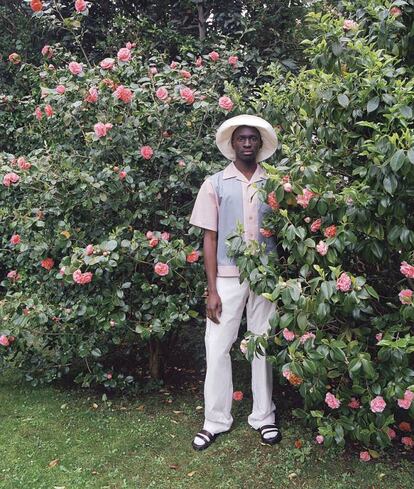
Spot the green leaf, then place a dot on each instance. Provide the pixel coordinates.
(96, 352)
(397, 160)
(343, 100)
(410, 155)
(372, 292)
(373, 104)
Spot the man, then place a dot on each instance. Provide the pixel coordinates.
(224, 200)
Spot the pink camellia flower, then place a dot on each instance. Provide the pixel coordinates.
(82, 278)
(354, 403)
(307, 336)
(349, 25)
(152, 70)
(124, 55)
(75, 68)
(10, 178)
(199, 62)
(185, 74)
(322, 248)
(287, 187)
(304, 199)
(408, 398)
(391, 433)
(344, 283)
(214, 55)
(193, 256)
(107, 63)
(407, 270)
(93, 95)
(80, 6)
(124, 94)
(404, 403)
(226, 103)
(47, 263)
(233, 60)
(109, 376)
(286, 373)
(149, 235)
(266, 233)
(4, 340)
(272, 201)
(165, 236)
(102, 129)
(288, 335)
(49, 110)
(15, 58)
(15, 239)
(378, 337)
(395, 12)
(161, 269)
(122, 175)
(38, 113)
(316, 225)
(307, 220)
(153, 242)
(244, 346)
(238, 395)
(146, 152)
(162, 93)
(378, 404)
(407, 441)
(62, 271)
(47, 51)
(89, 250)
(332, 401)
(187, 94)
(365, 456)
(319, 439)
(406, 296)
(173, 65)
(330, 231)
(23, 164)
(60, 89)
(13, 275)
(409, 395)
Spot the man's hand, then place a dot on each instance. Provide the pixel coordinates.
(214, 307)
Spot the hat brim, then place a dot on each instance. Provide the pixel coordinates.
(267, 133)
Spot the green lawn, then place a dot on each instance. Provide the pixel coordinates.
(145, 443)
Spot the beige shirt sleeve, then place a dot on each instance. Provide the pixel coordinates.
(205, 210)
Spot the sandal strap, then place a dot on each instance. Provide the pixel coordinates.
(205, 435)
(268, 428)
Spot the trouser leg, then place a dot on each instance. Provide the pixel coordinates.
(218, 387)
(259, 310)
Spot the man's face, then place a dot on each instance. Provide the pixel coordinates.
(246, 142)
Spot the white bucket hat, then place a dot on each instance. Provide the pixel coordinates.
(225, 131)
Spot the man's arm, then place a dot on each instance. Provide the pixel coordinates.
(210, 264)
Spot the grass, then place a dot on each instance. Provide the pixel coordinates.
(54, 439)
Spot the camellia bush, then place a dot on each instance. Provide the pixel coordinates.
(342, 196)
(98, 261)
(97, 258)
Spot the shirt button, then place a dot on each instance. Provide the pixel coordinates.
(250, 218)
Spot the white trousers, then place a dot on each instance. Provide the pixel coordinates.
(219, 338)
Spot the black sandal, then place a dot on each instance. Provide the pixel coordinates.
(268, 428)
(207, 437)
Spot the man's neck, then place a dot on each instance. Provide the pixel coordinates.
(246, 168)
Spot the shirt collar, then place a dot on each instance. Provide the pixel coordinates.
(232, 172)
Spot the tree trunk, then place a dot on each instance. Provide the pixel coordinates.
(202, 26)
(156, 364)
